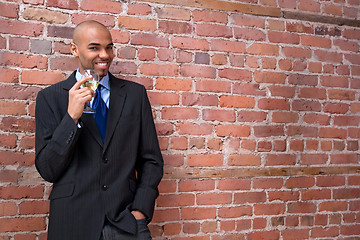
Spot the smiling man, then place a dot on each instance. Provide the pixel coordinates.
(104, 184)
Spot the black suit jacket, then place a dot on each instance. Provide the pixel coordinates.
(94, 180)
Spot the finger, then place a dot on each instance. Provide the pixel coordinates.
(81, 81)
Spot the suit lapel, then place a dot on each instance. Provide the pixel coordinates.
(116, 105)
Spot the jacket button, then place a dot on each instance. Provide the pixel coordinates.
(105, 160)
(104, 187)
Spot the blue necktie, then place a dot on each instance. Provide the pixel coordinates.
(101, 112)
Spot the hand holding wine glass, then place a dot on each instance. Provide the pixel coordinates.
(93, 83)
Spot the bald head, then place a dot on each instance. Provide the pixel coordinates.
(83, 27)
(93, 47)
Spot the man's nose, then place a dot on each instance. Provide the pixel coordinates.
(103, 53)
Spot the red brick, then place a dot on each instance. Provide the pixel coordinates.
(346, 45)
(315, 41)
(325, 56)
(268, 235)
(288, 234)
(72, 4)
(174, 160)
(171, 229)
(179, 113)
(314, 118)
(175, 200)
(310, 92)
(269, 77)
(40, 77)
(191, 227)
(20, 28)
(280, 159)
(235, 74)
(8, 140)
(101, 6)
(128, 68)
(194, 129)
(296, 52)
(191, 99)
(192, 185)
(18, 124)
(237, 101)
(9, 75)
(189, 43)
(349, 158)
(34, 207)
(197, 213)
(21, 60)
(153, 69)
(13, 108)
(247, 20)
(173, 13)
(164, 215)
(284, 196)
(269, 63)
(267, 131)
(301, 207)
(139, 9)
(213, 30)
(22, 224)
(283, 37)
(197, 71)
(333, 206)
(249, 34)
(209, 16)
(219, 115)
(269, 209)
(120, 36)
(248, 89)
(267, 183)
(251, 116)
(346, 193)
(205, 160)
(306, 105)
(301, 79)
(213, 86)
(315, 194)
(135, 23)
(300, 182)
(165, 54)
(263, 49)
(173, 27)
(148, 39)
(146, 54)
(63, 63)
(332, 133)
(173, 84)
(346, 120)
(285, 117)
(163, 98)
(244, 160)
(167, 186)
(353, 229)
(213, 198)
(234, 184)
(8, 209)
(309, 5)
(273, 104)
(106, 20)
(227, 46)
(313, 158)
(337, 108)
(235, 212)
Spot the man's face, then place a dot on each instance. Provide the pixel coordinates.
(94, 50)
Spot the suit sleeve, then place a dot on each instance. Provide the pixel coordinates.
(55, 137)
(149, 163)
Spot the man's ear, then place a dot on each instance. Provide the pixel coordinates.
(74, 49)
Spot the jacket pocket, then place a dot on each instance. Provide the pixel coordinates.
(62, 191)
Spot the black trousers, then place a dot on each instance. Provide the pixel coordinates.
(110, 232)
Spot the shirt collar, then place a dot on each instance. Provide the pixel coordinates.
(104, 81)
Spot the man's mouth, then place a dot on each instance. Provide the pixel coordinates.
(101, 64)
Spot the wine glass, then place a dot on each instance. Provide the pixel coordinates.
(92, 84)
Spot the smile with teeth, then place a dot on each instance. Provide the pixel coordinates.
(102, 64)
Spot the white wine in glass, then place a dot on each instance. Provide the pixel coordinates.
(92, 84)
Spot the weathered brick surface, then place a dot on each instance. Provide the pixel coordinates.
(256, 104)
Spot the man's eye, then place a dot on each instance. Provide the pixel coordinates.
(93, 48)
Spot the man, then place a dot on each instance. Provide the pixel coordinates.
(102, 188)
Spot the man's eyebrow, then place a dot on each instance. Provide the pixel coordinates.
(98, 44)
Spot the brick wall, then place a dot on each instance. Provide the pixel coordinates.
(256, 104)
